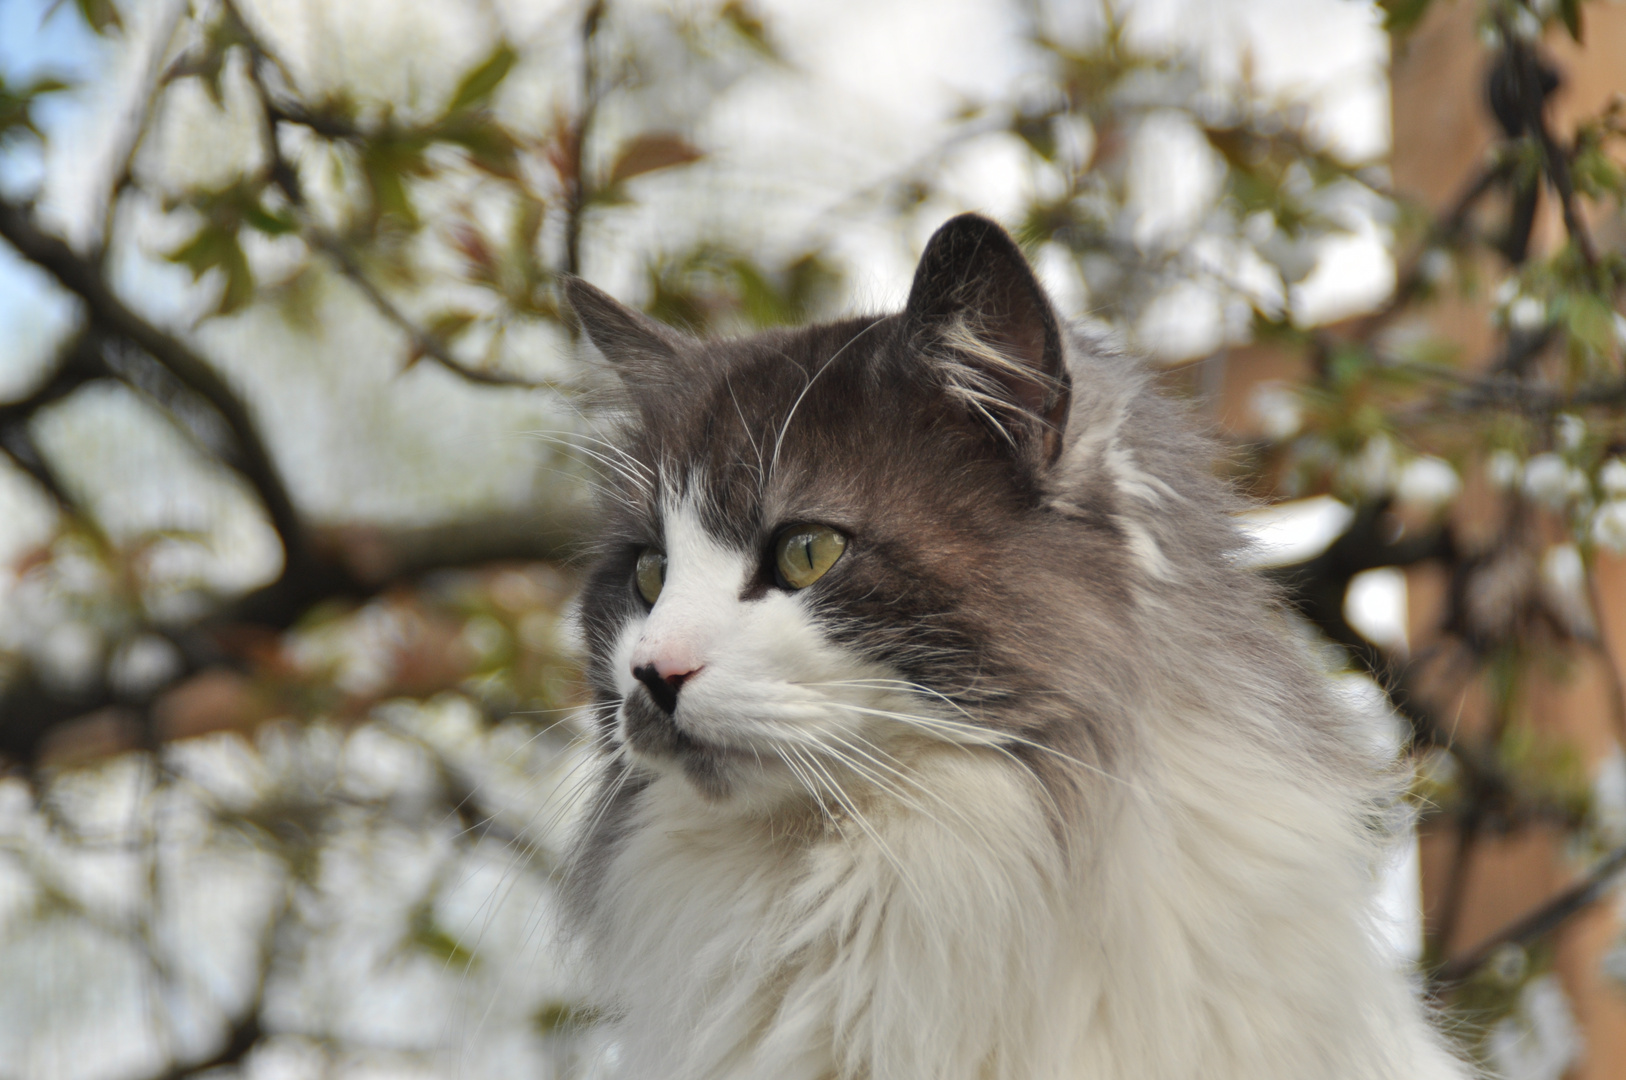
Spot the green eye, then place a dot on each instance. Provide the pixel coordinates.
(651, 575)
(805, 553)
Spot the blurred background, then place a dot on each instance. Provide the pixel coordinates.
(294, 477)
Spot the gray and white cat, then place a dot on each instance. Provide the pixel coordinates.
(946, 734)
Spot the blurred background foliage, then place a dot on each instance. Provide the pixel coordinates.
(294, 476)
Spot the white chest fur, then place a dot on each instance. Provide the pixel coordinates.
(957, 942)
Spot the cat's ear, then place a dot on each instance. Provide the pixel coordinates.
(977, 312)
(640, 349)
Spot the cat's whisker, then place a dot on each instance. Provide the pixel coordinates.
(865, 825)
(972, 831)
(642, 483)
(818, 742)
(784, 753)
(979, 736)
(779, 442)
(569, 439)
(896, 684)
(745, 426)
(527, 838)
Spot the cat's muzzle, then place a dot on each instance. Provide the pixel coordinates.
(652, 730)
(654, 734)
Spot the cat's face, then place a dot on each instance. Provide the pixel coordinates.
(822, 545)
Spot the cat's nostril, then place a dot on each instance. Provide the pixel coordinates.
(663, 689)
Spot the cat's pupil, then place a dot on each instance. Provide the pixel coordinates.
(806, 553)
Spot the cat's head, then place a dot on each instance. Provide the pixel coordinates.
(828, 547)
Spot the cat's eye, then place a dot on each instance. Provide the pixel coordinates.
(805, 553)
(651, 574)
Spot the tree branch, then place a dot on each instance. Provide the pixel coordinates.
(113, 317)
(579, 192)
(1537, 924)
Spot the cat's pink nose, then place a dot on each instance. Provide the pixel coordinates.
(674, 669)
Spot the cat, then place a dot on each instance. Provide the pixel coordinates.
(946, 733)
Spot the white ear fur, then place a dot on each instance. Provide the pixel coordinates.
(977, 311)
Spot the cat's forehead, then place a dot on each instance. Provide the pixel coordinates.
(815, 424)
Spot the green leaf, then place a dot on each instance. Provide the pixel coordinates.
(1401, 16)
(1570, 12)
(1590, 322)
(1039, 132)
(16, 105)
(272, 224)
(449, 324)
(424, 933)
(479, 84)
(490, 146)
(386, 161)
(100, 15)
(217, 248)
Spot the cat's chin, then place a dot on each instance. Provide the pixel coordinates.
(722, 776)
(718, 773)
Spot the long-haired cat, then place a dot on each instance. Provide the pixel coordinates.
(947, 734)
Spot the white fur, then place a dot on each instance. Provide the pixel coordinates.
(1210, 918)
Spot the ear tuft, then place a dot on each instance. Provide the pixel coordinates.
(978, 312)
(639, 348)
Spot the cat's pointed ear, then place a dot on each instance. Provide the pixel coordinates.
(639, 348)
(978, 313)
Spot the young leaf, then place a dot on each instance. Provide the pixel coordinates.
(479, 84)
(651, 151)
(386, 162)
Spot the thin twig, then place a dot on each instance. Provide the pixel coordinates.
(578, 191)
(1537, 924)
(282, 173)
(424, 343)
(1617, 684)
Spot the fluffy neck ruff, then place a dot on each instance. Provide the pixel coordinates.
(1198, 924)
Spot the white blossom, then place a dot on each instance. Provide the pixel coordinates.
(1612, 478)
(143, 663)
(1372, 471)
(1277, 408)
(1434, 266)
(1502, 469)
(1564, 573)
(1427, 482)
(1570, 430)
(1527, 314)
(1609, 526)
(1552, 481)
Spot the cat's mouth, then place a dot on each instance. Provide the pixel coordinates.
(654, 734)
